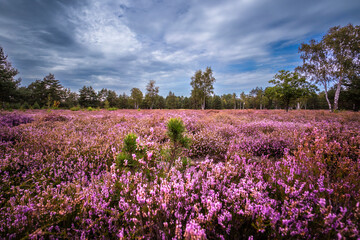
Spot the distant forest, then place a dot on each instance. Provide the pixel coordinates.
(333, 64)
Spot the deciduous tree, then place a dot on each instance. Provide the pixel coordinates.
(202, 84)
(136, 97)
(336, 56)
(344, 47)
(151, 93)
(289, 86)
(171, 101)
(316, 65)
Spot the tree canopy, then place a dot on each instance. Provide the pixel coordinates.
(202, 84)
(151, 93)
(8, 85)
(88, 97)
(336, 57)
(290, 86)
(136, 97)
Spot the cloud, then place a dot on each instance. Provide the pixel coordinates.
(99, 28)
(123, 44)
(241, 82)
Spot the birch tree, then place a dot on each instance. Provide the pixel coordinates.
(202, 84)
(343, 45)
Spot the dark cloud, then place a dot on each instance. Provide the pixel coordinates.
(123, 44)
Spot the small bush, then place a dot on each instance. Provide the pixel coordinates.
(175, 131)
(16, 106)
(131, 152)
(25, 106)
(130, 143)
(56, 104)
(106, 104)
(36, 105)
(76, 108)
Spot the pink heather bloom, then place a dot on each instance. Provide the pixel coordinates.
(149, 155)
(322, 202)
(194, 231)
(339, 237)
(120, 235)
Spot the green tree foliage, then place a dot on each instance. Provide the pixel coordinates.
(171, 101)
(316, 65)
(112, 98)
(151, 93)
(130, 152)
(290, 86)
(8, 85)
(70, 98)
(53, 87)
(257, 98)
(227, 101)
(37, 92)
(353, 93)
(344, 47)
(136, 97)
(88, 97)
(46, 91)
(234, 100)
(202, 84)
(107, 97)
(243, 99)
(36, 106)
(160, 102)
(216, 103)
(102, 96)
(336, 57)
(123, 101)
(270, 98)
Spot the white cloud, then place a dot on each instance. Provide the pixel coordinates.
(100, 29)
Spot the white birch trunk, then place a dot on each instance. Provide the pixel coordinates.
(337, 94)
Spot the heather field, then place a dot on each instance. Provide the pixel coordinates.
(245, 174)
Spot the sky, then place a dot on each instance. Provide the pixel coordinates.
(122, 44)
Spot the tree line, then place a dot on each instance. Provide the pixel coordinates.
(333, 59)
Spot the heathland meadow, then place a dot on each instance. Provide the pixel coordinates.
(125, 174)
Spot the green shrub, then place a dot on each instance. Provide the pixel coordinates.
(106, 104)
(130, 143)
(6, 106)
(25, 106)
(77, 108)
(130, 148)
(15, 105)
(176, 132)
(36, 105)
